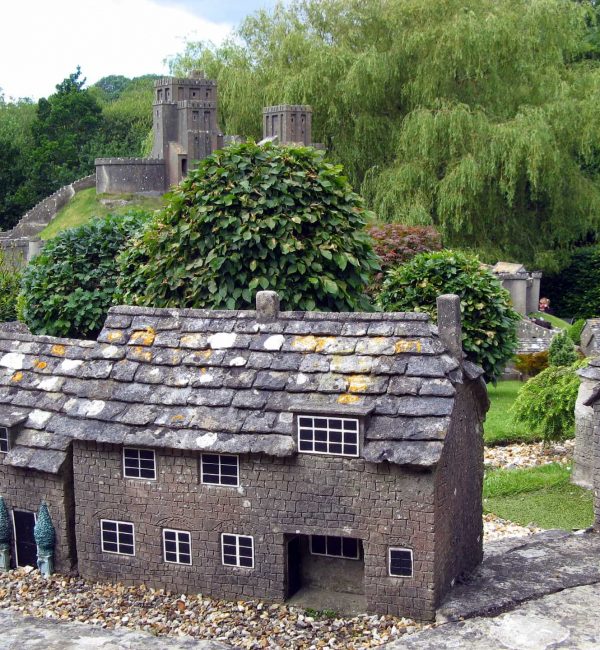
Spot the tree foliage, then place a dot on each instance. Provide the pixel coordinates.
(476, 116)
(575, 290)
(562, 350)
(69, 286)
(10, 280)
(395, 243)
(251, 218)
(488, 319)
(546, 403)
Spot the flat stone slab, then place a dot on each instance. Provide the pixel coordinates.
(568, 619)
(521, 569)
(25, 633)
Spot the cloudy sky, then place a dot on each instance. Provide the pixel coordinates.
(42, 41)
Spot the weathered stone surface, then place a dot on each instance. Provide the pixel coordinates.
(538, 565)
(404, 453)
(36, 634)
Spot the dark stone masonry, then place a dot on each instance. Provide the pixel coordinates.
(252, 453)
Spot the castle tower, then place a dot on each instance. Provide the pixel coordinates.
(291, 123)
(185, 122)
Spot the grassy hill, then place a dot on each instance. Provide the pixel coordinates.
(87, 204)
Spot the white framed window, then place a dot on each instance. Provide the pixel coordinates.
(4, 440)
(117, 537)
(328, 435)
(139, 463)
(220, 469)
(177, 546)
(344, 547)
(237, 550)
(400, 562)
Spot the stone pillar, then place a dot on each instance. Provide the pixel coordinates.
(583, 457)
(449, 324)
(596, 466)
(267, 306)
(34, 246)
(517, 287)
(533, 292)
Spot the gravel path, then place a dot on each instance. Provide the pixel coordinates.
(243, 624)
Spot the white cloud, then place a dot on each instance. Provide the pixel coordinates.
(43, 41)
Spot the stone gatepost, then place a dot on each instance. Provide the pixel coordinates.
(583, 457)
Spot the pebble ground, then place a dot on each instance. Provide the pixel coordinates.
(252, 625)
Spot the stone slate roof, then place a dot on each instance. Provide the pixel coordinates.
(225, 381)
(590, 337)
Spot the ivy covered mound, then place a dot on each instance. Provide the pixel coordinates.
(488, 320)
(254, 217)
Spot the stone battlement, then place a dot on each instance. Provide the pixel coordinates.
(129, 161)
(282, 108)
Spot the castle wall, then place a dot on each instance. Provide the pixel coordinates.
(130, 175)
(25, 489)
(383, 505)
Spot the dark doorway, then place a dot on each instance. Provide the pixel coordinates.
(294, 566)
(184, 166)
(26, 551)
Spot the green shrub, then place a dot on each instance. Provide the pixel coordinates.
(531, 364)
(255, 217)
(489, 321)
(575, 290)
(562, 350)
(546, 403)
(575, 330)
(69, 286)
(10, 280)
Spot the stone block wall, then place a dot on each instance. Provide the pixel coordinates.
(583, 456)
(25, 489)
(130, 175)
(383, 505)
(458, 496)
(596, 466)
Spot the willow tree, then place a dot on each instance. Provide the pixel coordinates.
(477, 116)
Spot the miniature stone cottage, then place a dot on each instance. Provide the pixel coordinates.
(252, 453)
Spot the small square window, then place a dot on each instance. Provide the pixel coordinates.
(401, 562)
(331, 436)
(220, 469)
(117, 537)
(344, 547)
(139, 463)
(177, 545)
(4, 440)
(237, 550)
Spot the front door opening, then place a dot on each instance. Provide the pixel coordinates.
(25, 547)
(326, 572)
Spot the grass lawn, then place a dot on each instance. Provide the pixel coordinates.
(542, 496)
(499, 427)
(555, 321)
(86, 204)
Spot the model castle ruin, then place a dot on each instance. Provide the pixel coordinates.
(185, 131)
(249, 454)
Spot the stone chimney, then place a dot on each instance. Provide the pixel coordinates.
(267, 306)
(449, 324)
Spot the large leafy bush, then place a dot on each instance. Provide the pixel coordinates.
(255, 217)
(69, 286)
(488, 319)
(395, 244)
(9, 290)
(546, 403)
